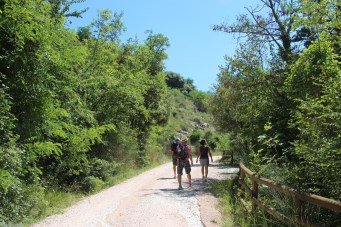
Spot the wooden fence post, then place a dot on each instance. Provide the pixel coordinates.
(254, 194)
(241, 177)
(297, 210)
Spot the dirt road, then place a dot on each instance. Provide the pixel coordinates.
(149, 199)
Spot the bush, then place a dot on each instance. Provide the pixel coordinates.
(20, 193)
(92, 184)
(19, 200)
(102, 169)
(212, 139)
(195, 136)
(213, 142)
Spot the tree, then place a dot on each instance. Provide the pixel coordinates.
(271, 22)
(157, 43)
(199, 99)
(61, 8)
(314, 84)
(175, 80)
(7, 120)
(284, 109)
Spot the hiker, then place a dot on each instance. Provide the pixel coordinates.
(174, 152)
(184, 156)
(203, 153)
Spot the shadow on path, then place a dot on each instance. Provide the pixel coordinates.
(165, 178)
(199, 187)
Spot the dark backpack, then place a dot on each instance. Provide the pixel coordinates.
(182, 154)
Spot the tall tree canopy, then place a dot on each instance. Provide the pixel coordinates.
(278, 95)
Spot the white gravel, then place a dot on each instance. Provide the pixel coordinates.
(149, 199)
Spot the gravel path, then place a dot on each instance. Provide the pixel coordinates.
(149, 199)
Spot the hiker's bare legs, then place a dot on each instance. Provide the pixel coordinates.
(189, 180)
(179, 180)
(206, 168)
(174, 170)
(202, 171)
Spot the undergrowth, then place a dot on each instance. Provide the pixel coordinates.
(57, 200)
(234, 213)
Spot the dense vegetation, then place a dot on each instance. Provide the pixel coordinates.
(80, 109)
(279, 95)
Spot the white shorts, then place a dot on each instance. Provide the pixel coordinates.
(204, 162)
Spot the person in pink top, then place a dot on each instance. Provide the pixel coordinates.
(184, 156)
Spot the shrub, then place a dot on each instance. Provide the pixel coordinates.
(195, 136)
(20, 193)
(102, 169)
(92, 184)
(19, 200)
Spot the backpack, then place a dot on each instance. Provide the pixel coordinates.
(182, 154)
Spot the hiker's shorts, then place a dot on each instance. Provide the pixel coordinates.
(175, 160)
(204, 162)
(181, 165)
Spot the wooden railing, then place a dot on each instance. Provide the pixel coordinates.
(296, 219)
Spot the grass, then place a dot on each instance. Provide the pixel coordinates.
(55, 201)
(221, 189)
(233, 212)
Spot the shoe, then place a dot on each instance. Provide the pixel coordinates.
(180, 188)
(205, 179)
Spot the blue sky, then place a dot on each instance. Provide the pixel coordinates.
(195, 50)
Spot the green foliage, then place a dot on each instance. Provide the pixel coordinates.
(278, 96)
(176, 81)
(108, 27)
(103, 169)
(233, 211)
(212, 139)
(20, 193)
(318, 117)
(223, 142)
(6, 118)
(199, 99)
(182, 111)
(195, 137)
(73, 106)
(92, 184)
(61, 8)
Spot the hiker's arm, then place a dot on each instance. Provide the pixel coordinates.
(171, 150)
(209, 151)
(198, 154)
(190, 156)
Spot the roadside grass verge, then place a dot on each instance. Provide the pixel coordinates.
(232, 210)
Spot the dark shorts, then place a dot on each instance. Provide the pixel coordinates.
(181, 165)
(175, 160)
